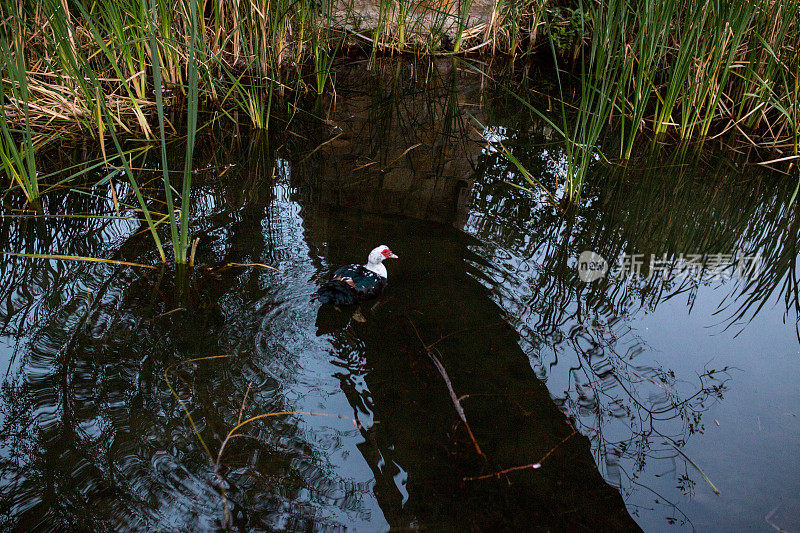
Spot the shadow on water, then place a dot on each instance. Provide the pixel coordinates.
(93, 438)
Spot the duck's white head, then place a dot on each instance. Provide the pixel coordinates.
(376, 258)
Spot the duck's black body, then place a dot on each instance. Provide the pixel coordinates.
(350, 285)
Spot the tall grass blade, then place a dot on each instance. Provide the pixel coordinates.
(192, 102)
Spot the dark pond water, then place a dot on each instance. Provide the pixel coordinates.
(620, 388)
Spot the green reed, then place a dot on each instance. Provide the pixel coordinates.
(79, 68)
(159, 95)
(462, 14)
(688, 69)
(321, 51)
(647, 52)
(182, 245)
(109, 83)
(691, 68)
(600, 85)
(18, 161)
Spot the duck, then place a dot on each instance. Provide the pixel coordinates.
(353, 284)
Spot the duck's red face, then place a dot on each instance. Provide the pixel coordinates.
(387, 253)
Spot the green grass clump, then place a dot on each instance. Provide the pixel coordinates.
(679, 68)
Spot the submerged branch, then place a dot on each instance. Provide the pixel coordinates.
(456, 402)
(534, 466)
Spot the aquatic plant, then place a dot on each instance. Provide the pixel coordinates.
(18, 161)
(692, 68)
(688, 69)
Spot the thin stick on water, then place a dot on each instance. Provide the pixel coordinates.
(216, 463)
(183, 405)
(81, 258)
(533, 466)
(259, 265)
(244, 402)
(232, 434)
(710, 484)
(456, 403)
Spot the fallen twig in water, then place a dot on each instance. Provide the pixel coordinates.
(244, 402)
(215, 463)
(80, 258)
(710, 484)
(396, 159)
(533, 466)
(312, 152)
(768, 520)
(232, 435)
(260, 265)
(453, 396)
(176, 310)
(183, 405)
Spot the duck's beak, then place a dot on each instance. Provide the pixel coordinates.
(390, 255)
